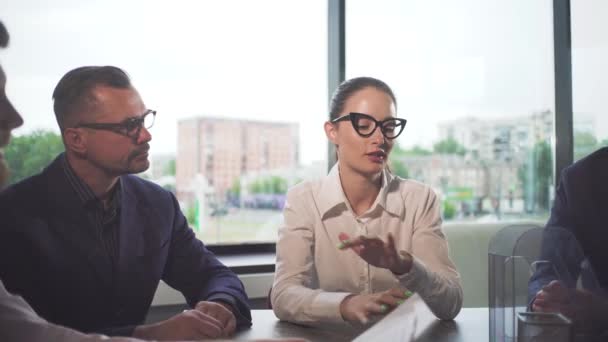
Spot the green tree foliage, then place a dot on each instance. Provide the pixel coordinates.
(399, 169)
(28, 154)
(449, 146)
(192, 215)
(170, 168)
(269, 185)
(235, 189)
(584, 143)
(536, 176)
(279, 185)
(418, 151)
(256, 187)
(396, 163)
(543, 167)
(398, 151)
(449, 210)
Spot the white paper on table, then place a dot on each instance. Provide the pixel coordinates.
(406, 322)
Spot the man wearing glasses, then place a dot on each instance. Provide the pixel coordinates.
(86, 243)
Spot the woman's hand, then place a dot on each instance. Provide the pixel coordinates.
(378, 253)
(359, 308)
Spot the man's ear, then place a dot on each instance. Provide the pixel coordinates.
(331, 132)
(75, 140)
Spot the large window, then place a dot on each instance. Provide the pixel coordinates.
(475, 81)
(238, 86)
(589, 72)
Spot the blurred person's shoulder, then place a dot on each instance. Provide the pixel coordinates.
(28, 189)
(596, 163)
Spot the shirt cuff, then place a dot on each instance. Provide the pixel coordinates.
(241, 320)
(326, 306)
(224, 298)
(416, 278)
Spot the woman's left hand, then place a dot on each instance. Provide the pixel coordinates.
(378, 253)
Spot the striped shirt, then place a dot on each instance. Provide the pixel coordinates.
(105, 220)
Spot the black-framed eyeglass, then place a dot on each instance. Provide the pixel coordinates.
(130, 127)
(365, 125)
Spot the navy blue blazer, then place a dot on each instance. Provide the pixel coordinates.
(50, 255)
(575, 239)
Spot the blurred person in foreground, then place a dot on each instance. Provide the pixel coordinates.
(18, 321)
(574, 247)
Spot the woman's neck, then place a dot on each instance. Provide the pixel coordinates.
(360, 190)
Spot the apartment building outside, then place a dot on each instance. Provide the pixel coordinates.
(498, 152)
(213, 153)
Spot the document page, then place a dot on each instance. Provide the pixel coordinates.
(405, 323)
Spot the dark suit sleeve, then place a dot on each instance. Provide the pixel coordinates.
(561, 254)
(199, 275)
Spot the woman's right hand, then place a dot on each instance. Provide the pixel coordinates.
(359, 308)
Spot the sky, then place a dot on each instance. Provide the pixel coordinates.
(267, 59)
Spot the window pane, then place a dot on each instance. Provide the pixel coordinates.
(589, 72)
(474, 78)
(238, 86)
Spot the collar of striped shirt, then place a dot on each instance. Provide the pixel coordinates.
(86, 194)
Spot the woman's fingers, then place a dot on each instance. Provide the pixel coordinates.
(362, 317)
(391, 243)
(376, 252)
(358, 308)
(360, 240)
(346, 242)
(391, 251)
(394, 297)
(377, 308)
(343, 236)
(349, 243)
(385, 302)
(385, 305)
(400, 293)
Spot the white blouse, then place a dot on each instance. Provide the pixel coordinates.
(313, 276)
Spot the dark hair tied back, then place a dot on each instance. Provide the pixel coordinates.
(349, 87)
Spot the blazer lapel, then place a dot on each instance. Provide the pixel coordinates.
(71, 222)
(133, 219)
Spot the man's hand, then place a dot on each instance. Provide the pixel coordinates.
(586, 310)
(359, 308)
(553, 297)
(222, 312)
(188, 325)
(378, 253)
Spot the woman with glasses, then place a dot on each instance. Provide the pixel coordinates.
(360, 241)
